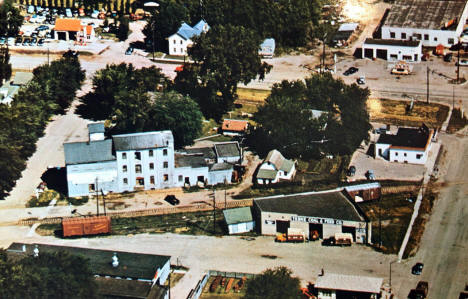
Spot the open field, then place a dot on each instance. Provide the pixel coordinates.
(252, 94)
(395, 113)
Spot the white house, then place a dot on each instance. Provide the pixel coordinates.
(239, 220)
(182, 39)
(409, 145)
(333, 286)
(433, 22)
(274, 168)
(138, 161)
(392, 50)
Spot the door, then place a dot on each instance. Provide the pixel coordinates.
(349, 229)
(282, 226)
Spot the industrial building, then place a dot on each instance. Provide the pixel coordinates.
(408, 145)
(392, 50)
(327, 212)
(117, 273)
(340, 286)
(433, 22)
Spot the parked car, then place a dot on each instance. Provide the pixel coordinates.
(33, 41)
(11, 41)
(18, 41)
(40, 42)
(329, 242)
(417, 269)
(172, 200)
(26, 42)
(68, 13)
(31, 9)
(463, 62)
(361, 80)
(448, 57)
(95, 14)
(129, 51)
(351, 71)
(2, 40)
(352, 170)
(370, 175)
(42, 27)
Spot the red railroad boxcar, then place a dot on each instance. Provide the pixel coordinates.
(82, 226)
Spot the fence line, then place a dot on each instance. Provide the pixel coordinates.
(151, 212)
(195, 293)
(399, 189)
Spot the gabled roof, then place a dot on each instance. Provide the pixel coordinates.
(326, 204)
(348, 27)
(201, 27)
(144, 140)
(97, 127)
(355, 283)
(281, 163)
(68, 25)
(408, 138)
(227, 149)
(238, 215)
(131, 265)
(221, 166)
(268, 174)
(88, 152)
(187, 32)
(22, 78)
(235, 125)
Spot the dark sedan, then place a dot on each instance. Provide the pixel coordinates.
(351, 71)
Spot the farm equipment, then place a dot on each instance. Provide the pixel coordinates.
(293, 235)
(240, 284)
(214, 285)
(229, 285)
(314, 236)
(420, 292)
(340, 239)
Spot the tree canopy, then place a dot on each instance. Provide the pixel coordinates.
(5, 65)
(223, 57)
(305, 120)
(10, 19)
(274, 283)
(58, 275)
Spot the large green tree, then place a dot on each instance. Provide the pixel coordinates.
(223, 57)
(5, 65)
(291, 121)
(123, 29)
(58, 275)
(10, 19)
(272, 284)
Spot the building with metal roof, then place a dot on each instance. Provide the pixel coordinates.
(239, 220)
(267, 48)
(332, 285)
(182, 39)
(433, 22)
(118, 273)
(326, 212)
(275, 168)
(11, 88)
(229, 152)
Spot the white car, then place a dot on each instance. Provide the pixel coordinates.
(11, 41)
(68, 13)
(40, 19)
(463, 62)
(95, 14)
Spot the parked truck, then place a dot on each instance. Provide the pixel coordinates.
(293, 235)
(339, 239)
(420, 292)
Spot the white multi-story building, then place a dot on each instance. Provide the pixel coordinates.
(433, 22)
(142, 161)
(182, 39)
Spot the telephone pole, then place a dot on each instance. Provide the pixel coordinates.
(427, 80)
(97, 197)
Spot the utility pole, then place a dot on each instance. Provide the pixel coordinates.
(453, 96)
(104, 202)
(214, 211)
(458, 63)
(427, 80)
(380, 221)
(97, 197)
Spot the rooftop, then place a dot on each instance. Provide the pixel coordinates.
(363, 186)
(187, 32)
(348, 27)
(144, 140)
(409, 138)
(281, 163)
(22, 78)
(393, 42)
(195, 160)
(97, 127)
(238, 215)
(67, 25)
(227, 149)
(221, 166)
(355, 283)
(131, 265)
(234, 125)
(327, 204)
(123, 288)
(425, 14)
(88, 152)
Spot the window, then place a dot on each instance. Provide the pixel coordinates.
(152, 180)
(285, 173)
(392, 34)
(140, 182)
(137, 156)
(417, 36)
(180, 178)
(138, 168)
(164, 152)
(166, 177)
(175, 50)
(151, 166)
(125, 181)
(181, 42)
(91, 187)
(151, 153)
(165, 165)
(124, 168)
(418, 156)
(174, 42)
(426, 36)
(181, 50)
(435, 39)
(124, 156)
(451, 41)
(396, 154)
(403, 35)
(404, 154)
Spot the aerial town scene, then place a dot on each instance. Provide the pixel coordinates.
(228, 149)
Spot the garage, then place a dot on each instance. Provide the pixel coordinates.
(368, 53)
(327, 212)
(382, 54)
(392, 49)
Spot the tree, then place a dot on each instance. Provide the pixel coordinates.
(219, 68)
(124, 29)
(5, 65)
(56, 275)
(10, 19)
(287, 120)
(274, 283)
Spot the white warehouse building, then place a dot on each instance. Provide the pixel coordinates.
(433, 22)
(392, 50)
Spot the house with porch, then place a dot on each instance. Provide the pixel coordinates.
(275, 168)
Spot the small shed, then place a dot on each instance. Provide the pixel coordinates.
(239, 220)
(267, 48)
(364, 192)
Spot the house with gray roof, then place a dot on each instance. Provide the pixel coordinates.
(239, 220)
(275, 168)
(182, 39)
(326, 213)
(229, 152)
(11, 88)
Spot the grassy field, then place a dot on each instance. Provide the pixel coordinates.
(220, 293)
(457, 121)
(396, 213)
(394, 113)
(252, 95)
